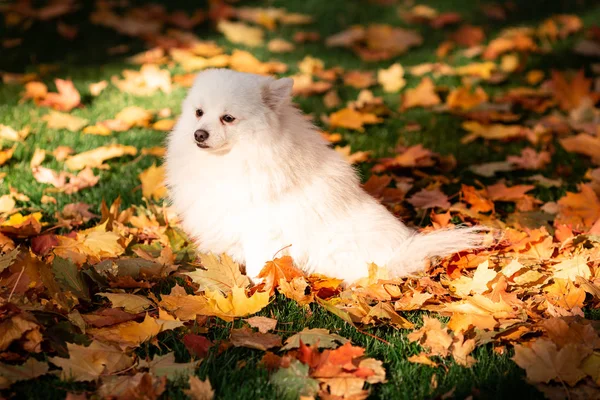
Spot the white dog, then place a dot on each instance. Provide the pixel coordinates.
(249, 176)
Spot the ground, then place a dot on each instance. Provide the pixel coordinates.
(235, 373)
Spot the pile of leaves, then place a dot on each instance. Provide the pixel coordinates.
(82, 293)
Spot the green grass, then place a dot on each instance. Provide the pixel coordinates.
(85, 61)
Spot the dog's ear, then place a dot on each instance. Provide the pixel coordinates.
(277, 92)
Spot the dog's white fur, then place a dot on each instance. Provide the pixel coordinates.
(269, 180)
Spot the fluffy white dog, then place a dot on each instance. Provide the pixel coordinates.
(249, 176)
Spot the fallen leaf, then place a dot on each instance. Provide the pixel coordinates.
(245, 337)
(543, 362)
(66, 99)
(421, 96)
(199, 390)
(58, 120)
(95, 158)
(263, 324)
(91, 362)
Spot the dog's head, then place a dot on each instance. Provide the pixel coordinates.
(225, 106)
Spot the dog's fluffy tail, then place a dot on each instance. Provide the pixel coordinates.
(417, 248)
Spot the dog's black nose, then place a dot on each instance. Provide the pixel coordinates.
(201, 135)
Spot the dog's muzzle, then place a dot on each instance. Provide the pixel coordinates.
(201, 136)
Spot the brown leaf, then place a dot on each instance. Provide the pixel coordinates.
(263, 324)
(91, 362)
(199, 390)
(245, 337)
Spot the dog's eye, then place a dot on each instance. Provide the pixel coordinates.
(199, 113)
(227, 118)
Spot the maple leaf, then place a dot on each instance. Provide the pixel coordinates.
(97, 87)
(433, 336)
(278, 269)
(244, 61)
(491, 132)
(426, 199)
(199, 390)
(30, 369)
(464, 286)
(421, 96)
(263, 324)
(477, 199)
(543, 362)
(279, 45)
(144, 82)
(315, 337)
(153, 182)
(236, 304)
(392, 78)
(13, 329)
(66, 99)
(6, 154)
(579, 210)
(220, 273)
(139, 386)
(130, 302)
(296, 290)
(96, 157)
(583, 143)
(185, 307)
(8, 133)
(246, 337)
(352, 119)
(131, 334)
(7, 204)
(565, 294)
(107, 317)
(91, 362)
(240, 33)
(359, 79)
(58, 120)
(165, 365)
(133, 116)
(422, 358)
(570, 94)
(353, 158)
(197, 345)
(465, 99)
(294, 381)
(573, 267)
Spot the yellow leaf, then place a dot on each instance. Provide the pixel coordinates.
(483, 70)
(6, 154)
(240, 33)
(131, 303)
(392, 79)
(97, 129)
(153, 182)
(236, 304)
(7, 203)
(352, 119)
(96, 157)
(164, 125)
(219, 274)
(464, 285)
(89, 363)
(58, 120)
(421, 96)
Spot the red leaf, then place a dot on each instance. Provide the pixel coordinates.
(197, 345)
